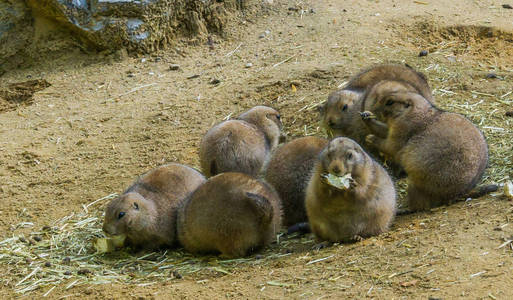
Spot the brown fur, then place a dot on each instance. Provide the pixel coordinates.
(232, 214)
(340, 114)
(149, 206)
(443, 153)
(241, 145)
(365, 209)
(288, 172)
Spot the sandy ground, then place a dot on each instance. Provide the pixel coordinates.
(103, 122)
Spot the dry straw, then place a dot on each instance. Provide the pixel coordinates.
(63, 255)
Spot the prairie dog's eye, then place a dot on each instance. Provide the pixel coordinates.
(278, 117)
(344, 108)
(121, 215)
(136, 206)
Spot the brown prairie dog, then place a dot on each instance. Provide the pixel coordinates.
(340, 113)
(146, 211)
(241, 145)
(364, 209)
(232, 214)
(443, 153)
(288, 172)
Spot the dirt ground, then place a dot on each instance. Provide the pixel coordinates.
(103, 121)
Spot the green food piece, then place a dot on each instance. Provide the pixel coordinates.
(340, 182)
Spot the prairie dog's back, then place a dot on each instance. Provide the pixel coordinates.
(232, 213)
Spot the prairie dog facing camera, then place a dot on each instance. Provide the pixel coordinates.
(443, 153)
(340, 113)
(146, 212)
(288, 172)
(365, 208)
(231, 213)
(243, 144)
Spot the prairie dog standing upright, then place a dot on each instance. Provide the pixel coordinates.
(146, 211)
(232, 214)
(340, 113)
(443, 153)
(288, 172)
(241, 145)
(365, 208)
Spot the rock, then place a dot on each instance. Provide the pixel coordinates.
(491, 75)
(174, 67)
(138, 26)
(507, 6)
(215, 81)
(423, 53)
(249, 65)
(509, 113)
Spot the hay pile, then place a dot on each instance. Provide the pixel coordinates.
(63, 254)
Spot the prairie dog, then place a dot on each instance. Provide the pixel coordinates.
(364, 209)
(232, 214)
(340, 113)
(243, 144)
(443, 153)
(146, 211)
(288, 172)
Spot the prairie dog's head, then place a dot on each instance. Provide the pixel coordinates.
(266, 119)
(343, 156)
(128, 214)
(336, 112)
(382, 89)
(394, 105)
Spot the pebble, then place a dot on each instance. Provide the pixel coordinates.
(509, 113)
(67, 273)
(507, 6)
(249, 65)
(215, 81)
(48, 264)
(177, 275)
(38, 238)
(491, 75)
(84, 272)
(423, 53)
(174, 67)
(66, 260)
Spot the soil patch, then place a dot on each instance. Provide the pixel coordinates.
(20, 93)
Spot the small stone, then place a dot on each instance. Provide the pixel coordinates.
(259, 256)
(130, 75)
(215, 81)
(84, 272)
(23, 240)
(157, 59)
(48, 264)
(67, 273)
(46, 228)
(261, 36)
(491, 75)
(267, 32)
(249, 65)
(177, 275)
(423, 53)
(174, 67)
(509, 113)
(507, 6)
(66, 260)
(143, 60)
(38, 238)
(312, 11)
(28, 260)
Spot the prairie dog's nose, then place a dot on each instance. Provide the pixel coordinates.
(336, 170)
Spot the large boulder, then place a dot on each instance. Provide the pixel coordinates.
(137, 25)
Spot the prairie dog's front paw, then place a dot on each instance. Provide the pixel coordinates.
(371, 139)
(367, 115)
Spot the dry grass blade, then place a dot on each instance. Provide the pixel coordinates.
(65, 256)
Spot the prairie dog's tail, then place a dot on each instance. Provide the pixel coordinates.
(480, 191)
(262, 206)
